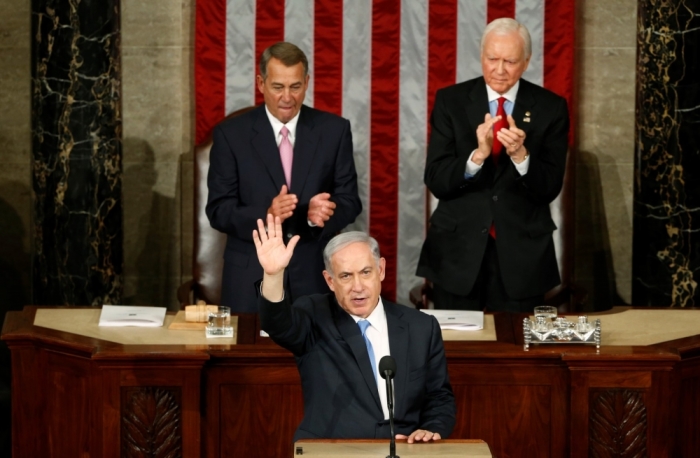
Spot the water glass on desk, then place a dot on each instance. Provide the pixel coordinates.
(219, 323)
(547, 314)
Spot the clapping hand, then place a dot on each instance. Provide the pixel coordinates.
(320, 209)
(484, 136)
(283, 204)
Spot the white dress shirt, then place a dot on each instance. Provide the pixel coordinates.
(277, 127)
(378, 335)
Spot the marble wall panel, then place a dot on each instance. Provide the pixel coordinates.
(606, 49)
(667, 195)
(76, 153)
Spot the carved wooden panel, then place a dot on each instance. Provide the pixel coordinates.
(151, 422)
(617, 425)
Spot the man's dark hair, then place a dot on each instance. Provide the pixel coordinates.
(288, 53)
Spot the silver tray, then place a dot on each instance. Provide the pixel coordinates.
(561, 331)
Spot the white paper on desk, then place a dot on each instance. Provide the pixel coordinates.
(458, 320)
(129, 315)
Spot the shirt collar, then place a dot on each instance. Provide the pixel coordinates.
(510, 95)
(277, 124)
(377, 319)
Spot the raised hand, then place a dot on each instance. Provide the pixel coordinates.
(283, 204)
(273, 255)
(320, 209)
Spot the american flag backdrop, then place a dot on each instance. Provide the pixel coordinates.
(377, 63)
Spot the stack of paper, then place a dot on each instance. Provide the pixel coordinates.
(127, 315)
(458, 320)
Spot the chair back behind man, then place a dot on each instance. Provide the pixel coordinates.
(209, 244)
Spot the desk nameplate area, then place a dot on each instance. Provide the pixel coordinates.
(84, 322)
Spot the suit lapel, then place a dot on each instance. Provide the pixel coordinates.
(352, 335)
(524, 105)
(304, 150)
(477, 105)
(265, 146)
(398, 348)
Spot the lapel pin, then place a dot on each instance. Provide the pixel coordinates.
(527, 117)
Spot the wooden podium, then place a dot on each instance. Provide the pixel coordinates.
(81, 391)
(360, 448)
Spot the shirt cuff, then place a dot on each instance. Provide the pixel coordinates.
(472, 167)
(524, 166)
(268, 300)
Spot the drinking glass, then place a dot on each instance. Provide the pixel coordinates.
(219, 323)
(548, 312)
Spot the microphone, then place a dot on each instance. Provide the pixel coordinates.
(387, 369)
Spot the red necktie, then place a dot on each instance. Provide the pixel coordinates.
(502, 124)
(497, 146)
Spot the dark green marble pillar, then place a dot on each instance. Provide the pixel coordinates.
(666, 245)
(76, 152)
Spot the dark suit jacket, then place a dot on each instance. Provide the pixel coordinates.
(246, 173)
(341, 399)
(518, 205)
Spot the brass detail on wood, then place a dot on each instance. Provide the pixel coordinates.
(617, 425)
(151, 426)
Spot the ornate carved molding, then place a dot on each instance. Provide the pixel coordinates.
(151, 422)
(617, 426)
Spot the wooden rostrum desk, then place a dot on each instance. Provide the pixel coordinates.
(85, 394)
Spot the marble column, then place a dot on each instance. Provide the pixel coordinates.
(76, 152)
(666, 244)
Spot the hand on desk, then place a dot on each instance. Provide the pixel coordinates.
(420, 435)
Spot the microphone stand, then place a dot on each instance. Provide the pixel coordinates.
(390, 404)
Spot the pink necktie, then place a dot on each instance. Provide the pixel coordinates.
(503, 123)
(286, 154)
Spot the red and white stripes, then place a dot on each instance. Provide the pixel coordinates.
(377, 63)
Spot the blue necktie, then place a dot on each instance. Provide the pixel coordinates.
(364, 324)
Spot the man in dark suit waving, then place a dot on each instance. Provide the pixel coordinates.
(338, 340)
(496, 159)
(288, 160)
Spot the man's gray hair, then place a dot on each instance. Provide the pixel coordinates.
(504, 26)
(289, 54)
(340, 241)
